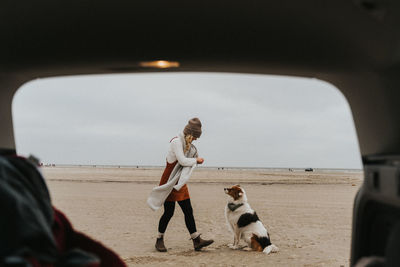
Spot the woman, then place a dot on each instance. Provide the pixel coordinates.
(179, 146)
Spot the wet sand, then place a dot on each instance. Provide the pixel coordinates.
(308, 215)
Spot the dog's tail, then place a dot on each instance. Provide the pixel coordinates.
(258, 243)
(271, 249)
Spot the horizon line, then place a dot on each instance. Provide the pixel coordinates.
(161, 166)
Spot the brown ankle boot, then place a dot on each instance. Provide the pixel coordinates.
(199, 243)
(160, 245)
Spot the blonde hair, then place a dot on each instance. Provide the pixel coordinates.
(188, 139)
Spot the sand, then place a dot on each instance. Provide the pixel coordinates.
(308, 215)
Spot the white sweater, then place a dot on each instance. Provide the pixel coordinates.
(175, 152)
(180, 174)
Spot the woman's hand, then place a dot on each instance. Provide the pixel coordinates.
(200, 160)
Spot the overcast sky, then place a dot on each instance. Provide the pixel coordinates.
(248, 120)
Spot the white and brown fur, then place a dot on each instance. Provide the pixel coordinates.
(244, 223)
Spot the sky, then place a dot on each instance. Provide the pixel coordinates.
(128, 119)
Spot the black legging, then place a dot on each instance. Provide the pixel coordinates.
(169, 207)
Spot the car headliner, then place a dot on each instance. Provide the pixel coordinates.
(352, 44)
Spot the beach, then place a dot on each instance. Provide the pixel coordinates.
(308, 214)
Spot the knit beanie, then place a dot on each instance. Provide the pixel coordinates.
(193, 128)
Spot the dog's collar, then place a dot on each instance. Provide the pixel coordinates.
(233, 206)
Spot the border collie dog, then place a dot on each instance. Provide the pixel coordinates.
(244, 223)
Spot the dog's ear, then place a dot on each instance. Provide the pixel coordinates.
(238, 185)
(238, 193)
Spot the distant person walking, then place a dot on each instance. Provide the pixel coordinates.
(183, 152)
